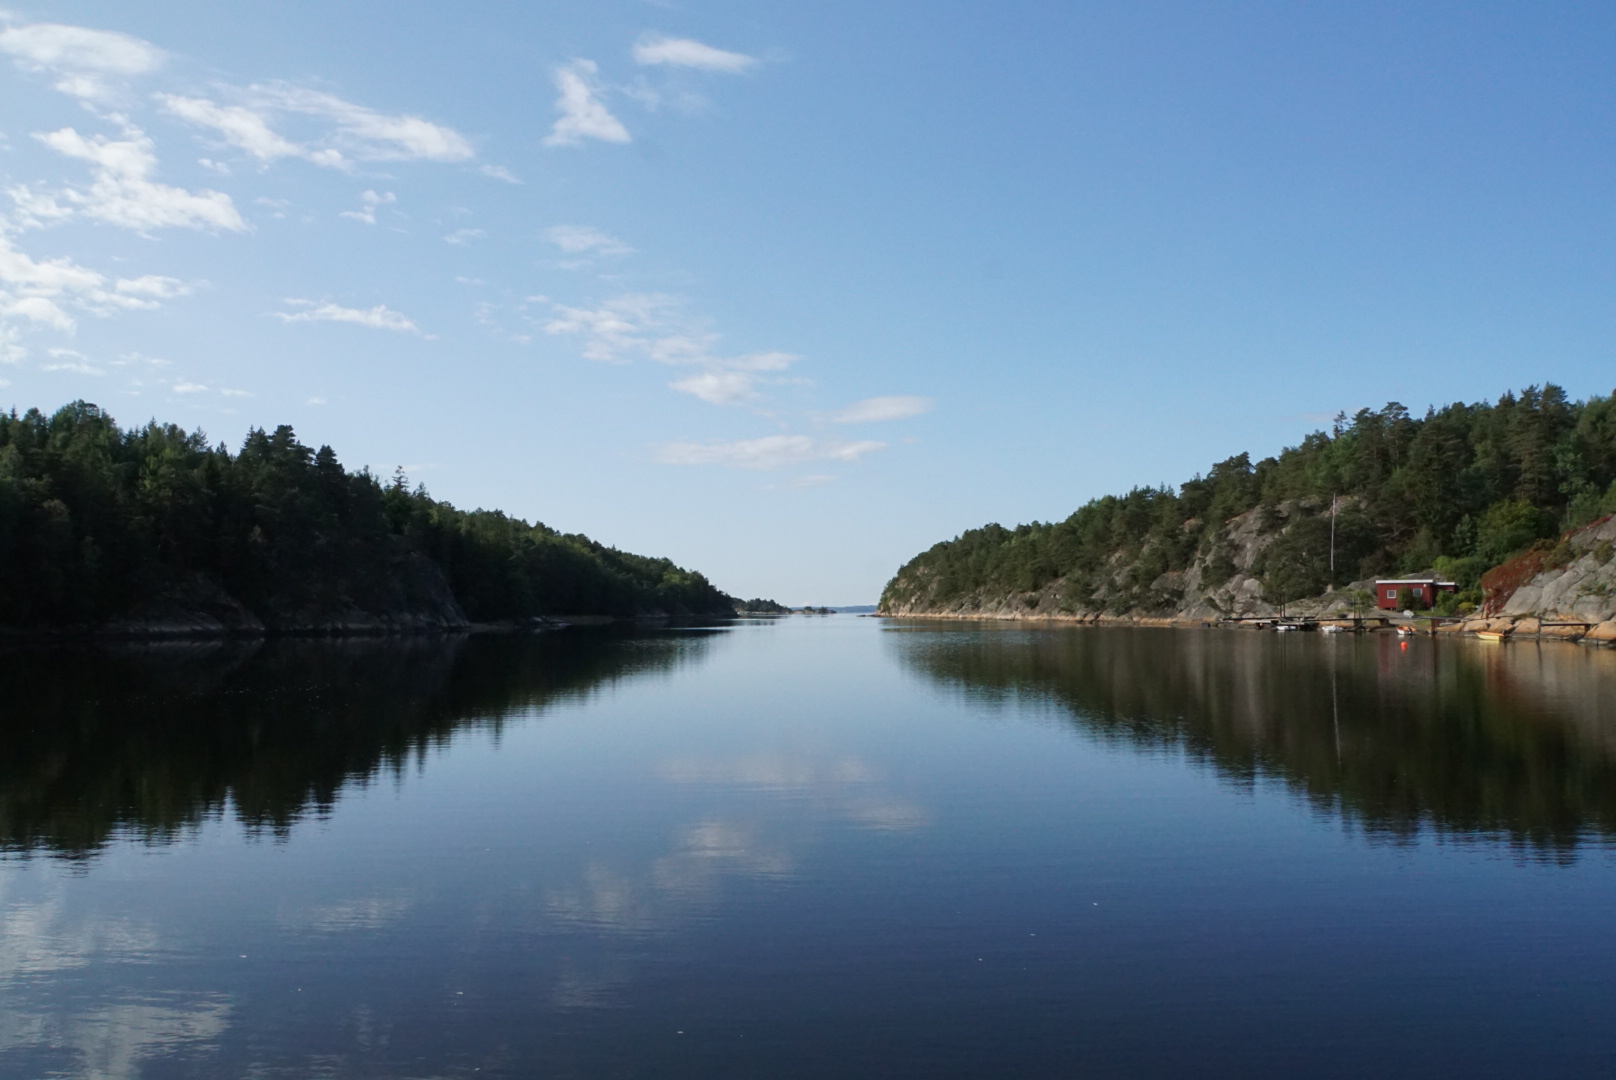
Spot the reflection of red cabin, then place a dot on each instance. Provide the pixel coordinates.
(1424, 590)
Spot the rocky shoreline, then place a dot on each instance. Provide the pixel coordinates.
(1592, 633)
(1571, 581)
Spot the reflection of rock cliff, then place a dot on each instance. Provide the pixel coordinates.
(1471, 741)
(150, 740)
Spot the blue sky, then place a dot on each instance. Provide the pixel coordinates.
(788, 292)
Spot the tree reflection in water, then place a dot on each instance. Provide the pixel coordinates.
(150, 741)
(1474, 741)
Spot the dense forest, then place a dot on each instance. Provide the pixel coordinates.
(1459, 490)
(98, 523)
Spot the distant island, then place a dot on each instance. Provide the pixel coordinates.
(760, 607)
(154, 531)
(1510, 500)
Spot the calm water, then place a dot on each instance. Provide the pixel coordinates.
(816, 848)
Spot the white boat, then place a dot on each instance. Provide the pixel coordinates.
(1330, 628)
(1406, 631)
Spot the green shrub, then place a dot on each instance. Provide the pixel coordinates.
(1509, 527)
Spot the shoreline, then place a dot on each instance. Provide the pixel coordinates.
(1522, 627)
(194, 631)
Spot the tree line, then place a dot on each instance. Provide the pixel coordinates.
(1459, 490)
(96, 521)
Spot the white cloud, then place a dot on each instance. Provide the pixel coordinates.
(583, 114)
(380, 317)
(651, 324)
(315, 401)
(236, 393)
(358, 133)
(733, 380)
(683, 52)
(189, 388)
(123, 192)
(769, 452)
(581, 239)
(37, 309)
(84, 60)
(500, 172)
(136, 358)
(464, 237)
(77, 367)
(146, 290)
(720, 387)
(365, 133)
(654, 325)
(875, 409)
(38, 293)
(371, 201)
(247, 130)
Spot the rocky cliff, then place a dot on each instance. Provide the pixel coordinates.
(1572, 579)
(1224, 579)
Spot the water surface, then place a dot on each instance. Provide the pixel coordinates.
(815, 847)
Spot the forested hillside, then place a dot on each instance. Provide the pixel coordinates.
(1458, 491)
(98, 523)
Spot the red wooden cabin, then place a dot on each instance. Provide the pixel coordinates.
(1422, 591)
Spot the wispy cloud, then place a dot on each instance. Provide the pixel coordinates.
(582, 239)
(500, 172)
(356, 132)
(769, 452)
(86, 62)
(646, 324)
(656, 326)
(380, 317)
(464, 237)
(733, 380)
(583, 114)
(122, 191)
(684, 52)
(77, 367)
(36, 294)
(247, 129)
(366, 134)
(720, 387)
(371, 200)
(871, 410)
